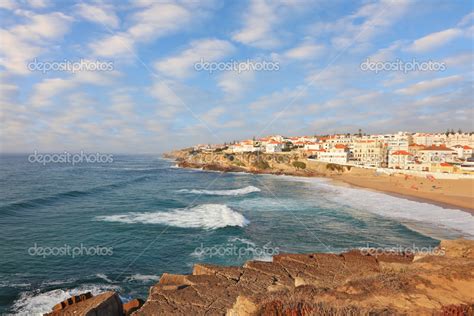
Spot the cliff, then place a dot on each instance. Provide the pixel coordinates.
(451, 193)
(351, 283)
(289, 163)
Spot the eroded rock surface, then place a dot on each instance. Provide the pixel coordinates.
(105, 304)
(352, 283)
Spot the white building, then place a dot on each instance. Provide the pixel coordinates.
(312, 146)
(245, 147)
(273, 147)
(370, 152)
(437, 154)
(464, 139)
(339, 154)
(400, 159)
(462, 152)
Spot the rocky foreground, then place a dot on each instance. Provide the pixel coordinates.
(351, 283)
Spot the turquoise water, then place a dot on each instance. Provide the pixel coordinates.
(129, 221)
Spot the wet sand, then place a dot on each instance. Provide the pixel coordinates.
(446, 193)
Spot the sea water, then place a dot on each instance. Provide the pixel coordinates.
(68, 229)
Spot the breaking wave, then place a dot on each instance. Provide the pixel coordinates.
(144, 278)
(37, 303)
(241, 191)
(207, 216)
(412, 213)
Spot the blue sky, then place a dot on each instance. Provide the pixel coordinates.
(155, 100)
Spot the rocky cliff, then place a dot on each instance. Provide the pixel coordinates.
(289, 163)
(351, 283)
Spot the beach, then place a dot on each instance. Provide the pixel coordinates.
(448, 193)
(444, 192)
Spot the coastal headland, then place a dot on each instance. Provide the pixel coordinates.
(358, 282)
(454, 193)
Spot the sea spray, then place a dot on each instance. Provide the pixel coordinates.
(233, 192)
(206, 216)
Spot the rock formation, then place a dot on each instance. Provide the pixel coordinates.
(105, 304)
(351, 283)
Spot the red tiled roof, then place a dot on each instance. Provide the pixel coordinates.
(445, 164)
(402, 153)
(440, 147)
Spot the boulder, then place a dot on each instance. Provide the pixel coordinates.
(131, 306)
(105, 304)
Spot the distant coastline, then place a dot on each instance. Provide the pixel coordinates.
(446, 193)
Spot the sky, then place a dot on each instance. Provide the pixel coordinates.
(138, 78)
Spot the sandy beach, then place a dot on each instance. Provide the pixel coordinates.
(443, 192)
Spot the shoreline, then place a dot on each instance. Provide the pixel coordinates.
(464, 203)
(414, 198)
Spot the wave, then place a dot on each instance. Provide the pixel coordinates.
(454, 222)
(143, 278)
(207, 216)
(38, 303)
(104, 277)
(51, 199)
(14, 284)
(241, 191)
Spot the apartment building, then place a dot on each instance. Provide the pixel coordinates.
(370, 152)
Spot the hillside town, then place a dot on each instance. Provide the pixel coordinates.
(450, 152)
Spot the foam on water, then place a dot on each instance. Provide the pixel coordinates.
(143, 278)
(37, 303)
(403, 210)
(104, 277)
(241, 191)
(207, 216)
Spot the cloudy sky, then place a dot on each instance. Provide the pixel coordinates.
(152, 97)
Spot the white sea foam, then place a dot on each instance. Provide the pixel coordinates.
(14, 284)
(143, 278)
(207, 216)
(37, 303)
(104, 277)
(406, 211)
(241, 191)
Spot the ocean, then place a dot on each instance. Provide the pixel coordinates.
(66, 229)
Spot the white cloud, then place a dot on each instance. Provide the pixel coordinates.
(305, 51)
(39, 3)
(21, 43)
(460, 60)
(8, 4)
(366, 23)
(152, 21)
(387, 53)
(233, 83)
(434, 40)
(466, 20)
(262, 21)
(159, 19)
(46, 90)
(102, 15)
(258, 26)
(182, 65)
(427, 85)
(114, 45)
(279, 99)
